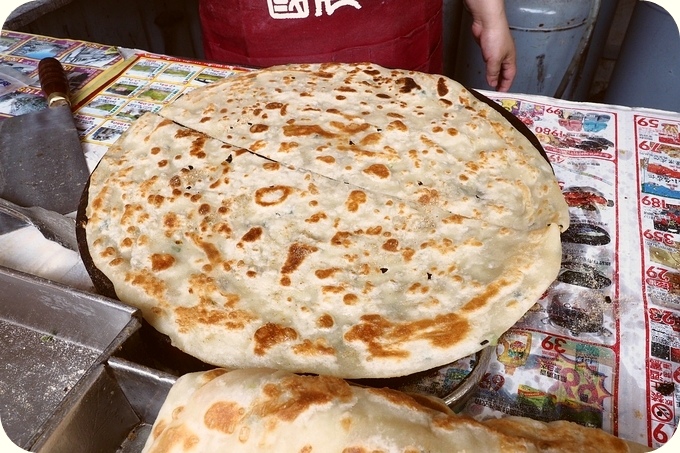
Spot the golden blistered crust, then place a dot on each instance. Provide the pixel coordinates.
(369, 264)
(257, 410)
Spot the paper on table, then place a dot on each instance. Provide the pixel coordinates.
(602, 346)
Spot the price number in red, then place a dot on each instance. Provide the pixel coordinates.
(662, 317)
(556, 158)
(555, 110)
(556, 344)
(647, 122)
(657, 277)
(548, 131)
(662, 433)
(657, 273)
(646, 145)
(659, 236)
(653, 202)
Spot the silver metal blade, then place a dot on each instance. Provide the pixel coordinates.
(42, 161)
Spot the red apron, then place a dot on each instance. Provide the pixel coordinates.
(403, 34)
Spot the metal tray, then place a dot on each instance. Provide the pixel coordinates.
(113, 410)
(52, 337)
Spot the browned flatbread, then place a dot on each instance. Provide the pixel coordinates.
(246, 260)
(259, 410)
(416, 136)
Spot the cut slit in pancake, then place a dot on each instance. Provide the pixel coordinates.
(402, 133)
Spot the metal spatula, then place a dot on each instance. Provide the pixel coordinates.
(41, 158)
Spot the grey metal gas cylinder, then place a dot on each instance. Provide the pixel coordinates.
(558, 43)
(647, 72)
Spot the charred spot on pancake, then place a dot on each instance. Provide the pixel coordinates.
(379, 170)
(383, 337)
(355, 200)
(252, 235)
(175, 181)
(296, 254)
(391, 245)
(270, 335)
(325, 321)
(350, 299)
(342, 238)
(408, 84)
(326, 273)
(162, 261)
(372, 72)
(442, 87)
(273, 195)
(223, 416)
(204, 209)
(313, 348)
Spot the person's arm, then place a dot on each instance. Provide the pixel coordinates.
(491, 31)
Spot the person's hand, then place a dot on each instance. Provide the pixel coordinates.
(498, 52)
(491, 31)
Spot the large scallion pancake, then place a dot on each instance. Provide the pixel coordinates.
(275, 260)
(259, 410)
(408, 134)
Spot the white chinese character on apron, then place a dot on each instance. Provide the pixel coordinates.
(299, 9)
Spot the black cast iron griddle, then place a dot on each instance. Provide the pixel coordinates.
(516, 122)
(158, 351)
